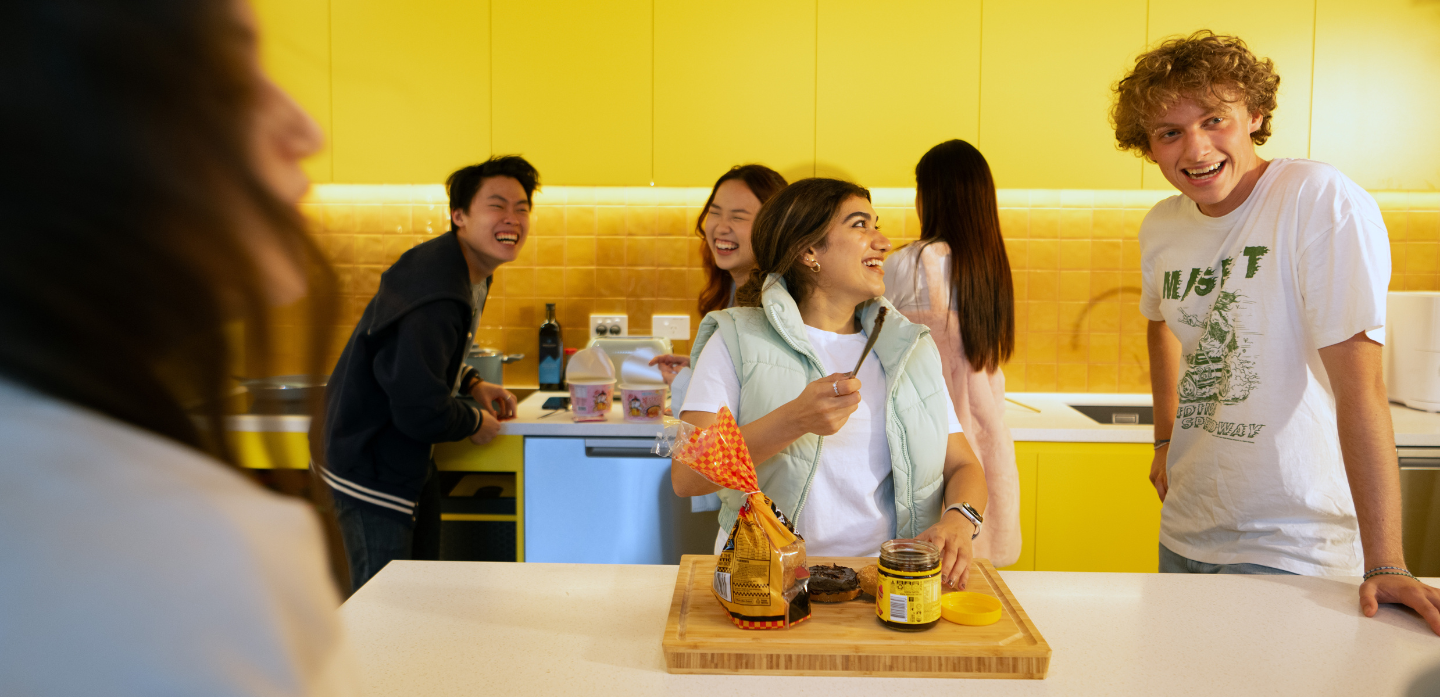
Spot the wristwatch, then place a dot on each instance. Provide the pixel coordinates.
(969, 512)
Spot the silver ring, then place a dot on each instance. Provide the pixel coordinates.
(836, 387)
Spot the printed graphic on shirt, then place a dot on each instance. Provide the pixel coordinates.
(1219, 370)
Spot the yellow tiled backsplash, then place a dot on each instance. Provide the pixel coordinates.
(1074, 254)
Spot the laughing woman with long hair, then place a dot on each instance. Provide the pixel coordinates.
(956, 281)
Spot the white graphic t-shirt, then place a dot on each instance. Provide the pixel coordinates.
(1254, 465)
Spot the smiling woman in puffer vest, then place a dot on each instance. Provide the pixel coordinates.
(853, 461)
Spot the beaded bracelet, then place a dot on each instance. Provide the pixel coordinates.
(1378, 572)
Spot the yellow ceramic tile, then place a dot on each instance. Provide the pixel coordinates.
(641, 221)
(1073, 317)
(1104, 378)
(1130, 318)
(1422, 257)
(1134, 378)
(367, 279)
(610, 251)
(670, 221)
(580, 221)
(339, 249)
(1424, 225)
(1044, 223)
(1130, 222)
(639, 251)
(395, 219)
(610, 221)
(1020, 284)
(1042, 348)
(1043, 285)
(1075, 254)
(1015, 223)
(1015, 377)
(1109, 224)
(1134, 348)
(527, 254)
(1040, 377)
(1018, 253)
(1130, 255)
(339, 218)
(1105, 317)
(610, 283)
(1075, 285)
(1076, 223)
(1427, 282)
(1043, 316)
(1104, 348)
(639, 283)
(1073, 347)
(370, 249)
(550, 251)
(580, 251)
(694, 282)
(670, 283)
(1077, 198)
(640, 310)
(671, 251)
(1072, 377)
(1013, 198)
(393, 246)
(1044, 255)
(1396, 223)
(1106, 254)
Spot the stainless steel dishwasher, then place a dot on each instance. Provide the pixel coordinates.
(607, 501)
(1420, 501)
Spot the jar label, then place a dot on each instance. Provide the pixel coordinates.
(908, 600)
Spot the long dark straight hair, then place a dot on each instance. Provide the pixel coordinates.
(958, 207)
(763, 183)
(791, 222)
(132, 216)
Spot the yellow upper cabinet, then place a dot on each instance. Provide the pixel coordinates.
(1377, 91)
(1281, 30)
(411, 88)
(894, 79)
(1045, 73)
(572, 89)
(734, 83)
(295, 51)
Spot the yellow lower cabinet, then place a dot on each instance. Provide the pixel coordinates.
(504, 456)
(271, 450)
(1095, 509)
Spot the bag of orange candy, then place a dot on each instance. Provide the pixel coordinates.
(760, 577)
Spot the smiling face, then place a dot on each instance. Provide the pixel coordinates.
(727, 227)
(851, 264)
(1207, 153)
(494, 228)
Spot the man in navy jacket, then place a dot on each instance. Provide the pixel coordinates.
(396, 390)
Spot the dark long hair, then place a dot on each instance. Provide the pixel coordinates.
(958, 207)
(795, 220)
(131, 211)
(763, 183)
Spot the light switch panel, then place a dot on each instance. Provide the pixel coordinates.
(610, 325)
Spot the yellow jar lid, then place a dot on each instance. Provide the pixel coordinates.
(976, 609)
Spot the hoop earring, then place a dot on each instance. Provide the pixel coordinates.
(814, 266)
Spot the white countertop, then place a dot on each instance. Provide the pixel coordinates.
(1054, 421)
(460, 628)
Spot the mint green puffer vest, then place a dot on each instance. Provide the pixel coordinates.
(775, 361)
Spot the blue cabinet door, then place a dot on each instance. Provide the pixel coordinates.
(600, 501)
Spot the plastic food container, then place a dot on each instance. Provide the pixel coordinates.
(642, 403)
(590, 401)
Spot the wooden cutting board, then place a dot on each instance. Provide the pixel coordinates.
(846, 638)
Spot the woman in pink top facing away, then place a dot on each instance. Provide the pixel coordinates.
(967, 300)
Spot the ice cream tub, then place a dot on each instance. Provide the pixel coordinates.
(642, 403)
(590, 401)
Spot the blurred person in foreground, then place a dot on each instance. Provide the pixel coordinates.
(398, 386)
(1264, 282)
(956, 281)
(149, 186)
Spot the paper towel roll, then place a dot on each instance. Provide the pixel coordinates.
(590, 367)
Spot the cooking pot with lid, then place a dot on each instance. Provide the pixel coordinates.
(490, 363)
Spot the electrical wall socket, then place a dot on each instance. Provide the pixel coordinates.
(671, 326)
(610, 325)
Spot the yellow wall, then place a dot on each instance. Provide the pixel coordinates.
(631, 109)
(1073, 253)
(631, 92)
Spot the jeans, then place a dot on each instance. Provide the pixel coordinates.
(1172, 563)
(373, 538)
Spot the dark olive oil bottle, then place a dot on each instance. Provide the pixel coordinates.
(552, 351)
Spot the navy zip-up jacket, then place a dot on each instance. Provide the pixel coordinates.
(392, 395)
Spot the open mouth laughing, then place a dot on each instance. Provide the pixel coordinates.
(726, 246)
(1206, 172)
(508, 237)
(874, 263)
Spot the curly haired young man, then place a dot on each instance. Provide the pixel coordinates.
(1264, 282)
